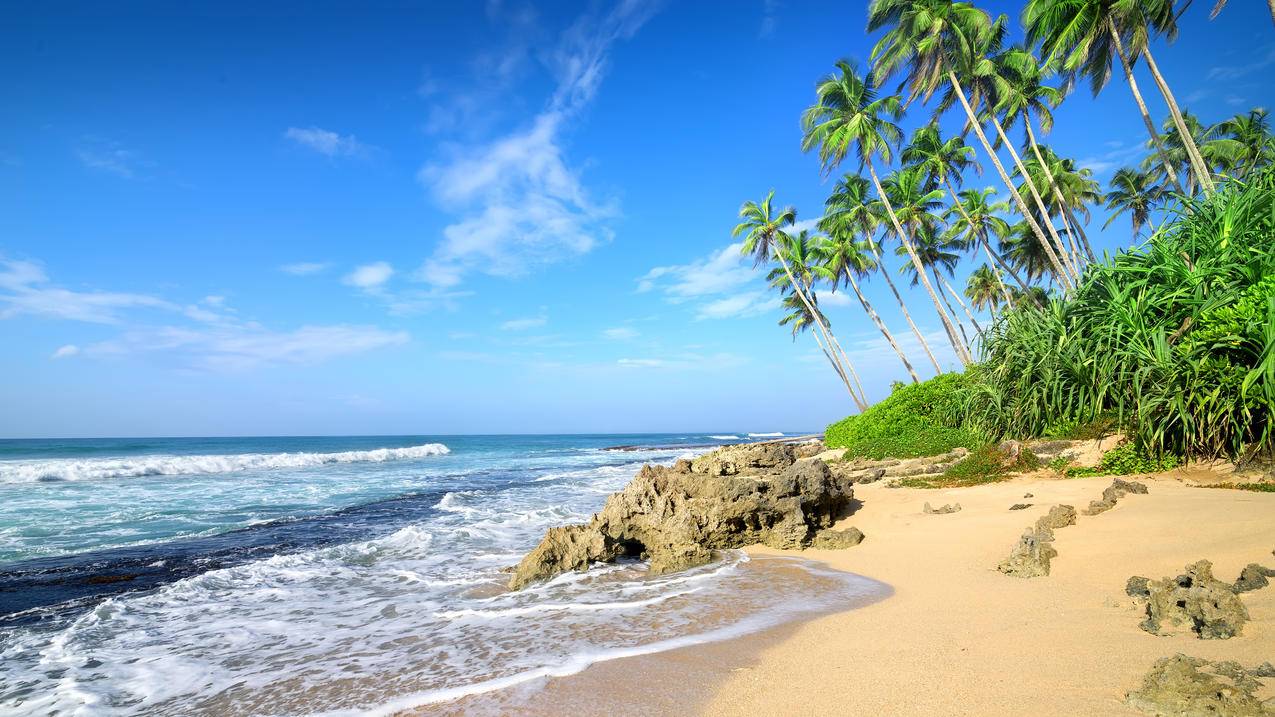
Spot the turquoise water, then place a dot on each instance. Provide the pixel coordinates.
(330, 575)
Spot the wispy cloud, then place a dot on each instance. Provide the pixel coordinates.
(1235, 72)
(722, 285)
(684, 361)
(523, 324)
(110, 157)
(369, 277)
(769, 18)
(327, 142)
(304, 268)
(1121, 155)
(66, 351)
(520, 204)
(26, 290)
(620, 333)
(738, 306)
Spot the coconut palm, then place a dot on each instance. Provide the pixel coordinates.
(851, 208)
(1079, 38)
(977, 220)
(941, 41)
(763, 231)
(1077, 190)
(1133, 192)
(849, 116)
(1247, 137)
(1022, 94)
(984, 289)
(1217, 8)
(1027, 256)
(940, 256)
(846, 260)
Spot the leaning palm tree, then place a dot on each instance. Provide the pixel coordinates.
(939, 255)
(852, 208)
(764, 236)
(846, 260)
(941, 41)
(1077, 190)
(983, 289)
(849, 116)
(977, 222)
(1027, 256)
(1133, 192)
(1079, 38)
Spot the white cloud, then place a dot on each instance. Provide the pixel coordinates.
(521, 205)
(370, 277)
(27, 291)
(243, 346)
(327, 142)
(531, 322)
(805, 225)
(722, 271)
(769, 18)
(642, 363)
(620, 333)
(66, 352)
(736, 306)
(1235, 72)
(303, 268)
(836, 298)
(110, 157)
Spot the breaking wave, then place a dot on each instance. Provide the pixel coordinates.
(162, 465)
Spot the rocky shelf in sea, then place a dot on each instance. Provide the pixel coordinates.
(676, 517)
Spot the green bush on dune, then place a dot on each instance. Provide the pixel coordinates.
(922, 419)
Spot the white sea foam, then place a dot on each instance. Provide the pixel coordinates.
(725, 438)
(162, 465)
(765, 435)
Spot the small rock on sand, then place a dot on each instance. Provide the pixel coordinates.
(944, 509)
(1253, 577)
(1189, 686)
(1020, 506)
(1196, 599)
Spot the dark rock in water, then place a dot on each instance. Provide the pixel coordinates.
(942, 510)
(1059, 516)
(1191, 687)
(676, 517)
(1196, 599)
(1020, 506)
(837, 539)
(1136, 587)
(1031, 555)
(1253, 577)
(1114, 492)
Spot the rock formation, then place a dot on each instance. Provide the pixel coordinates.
(1191, 687)
(1208, 606)
(1253, 577)
(1059, 516)
(1031, 554)
(1114, 492)
(946, 508)
(676, 517)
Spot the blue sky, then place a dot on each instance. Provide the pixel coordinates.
(229, 219)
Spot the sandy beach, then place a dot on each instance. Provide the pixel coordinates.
(960, 638)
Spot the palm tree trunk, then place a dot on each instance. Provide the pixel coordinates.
(1072, 245)
(996, 272)
(1142, 106)
(1000, 169)
(956, 199)
(1053, 183)
(836, 366)
(876, 319)
(965, 337)
(978, 330)
(1197, 161)
(814, 314)
(925, 346)
(1059, 246)
(1084, 238)
(961, 352)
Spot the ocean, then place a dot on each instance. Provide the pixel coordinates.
(336, 575)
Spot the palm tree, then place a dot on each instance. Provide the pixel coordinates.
(937, 255)
(977, 222)
(1133, 192)
(939, 40)
(851, 208)
(984, 289)
(1217, 8)
(764, 236)
(845, 261)
(1076, 190)
(1249, 138)
(1021, 93)
(1019, 247)
(1079, 37)
(849, 114)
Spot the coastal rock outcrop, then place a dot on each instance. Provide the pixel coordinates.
(1114, 492)
(1059, 516)
(1208, 606)
(1253, 577)
(676, 517)
(1031, 554)
(1192, 687)
(867, 470)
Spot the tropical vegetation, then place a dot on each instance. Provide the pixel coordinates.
(1172, 337)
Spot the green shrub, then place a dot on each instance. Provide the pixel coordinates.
(1175, 339)
(1125, 459)
(987, 464)
(922, 419)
